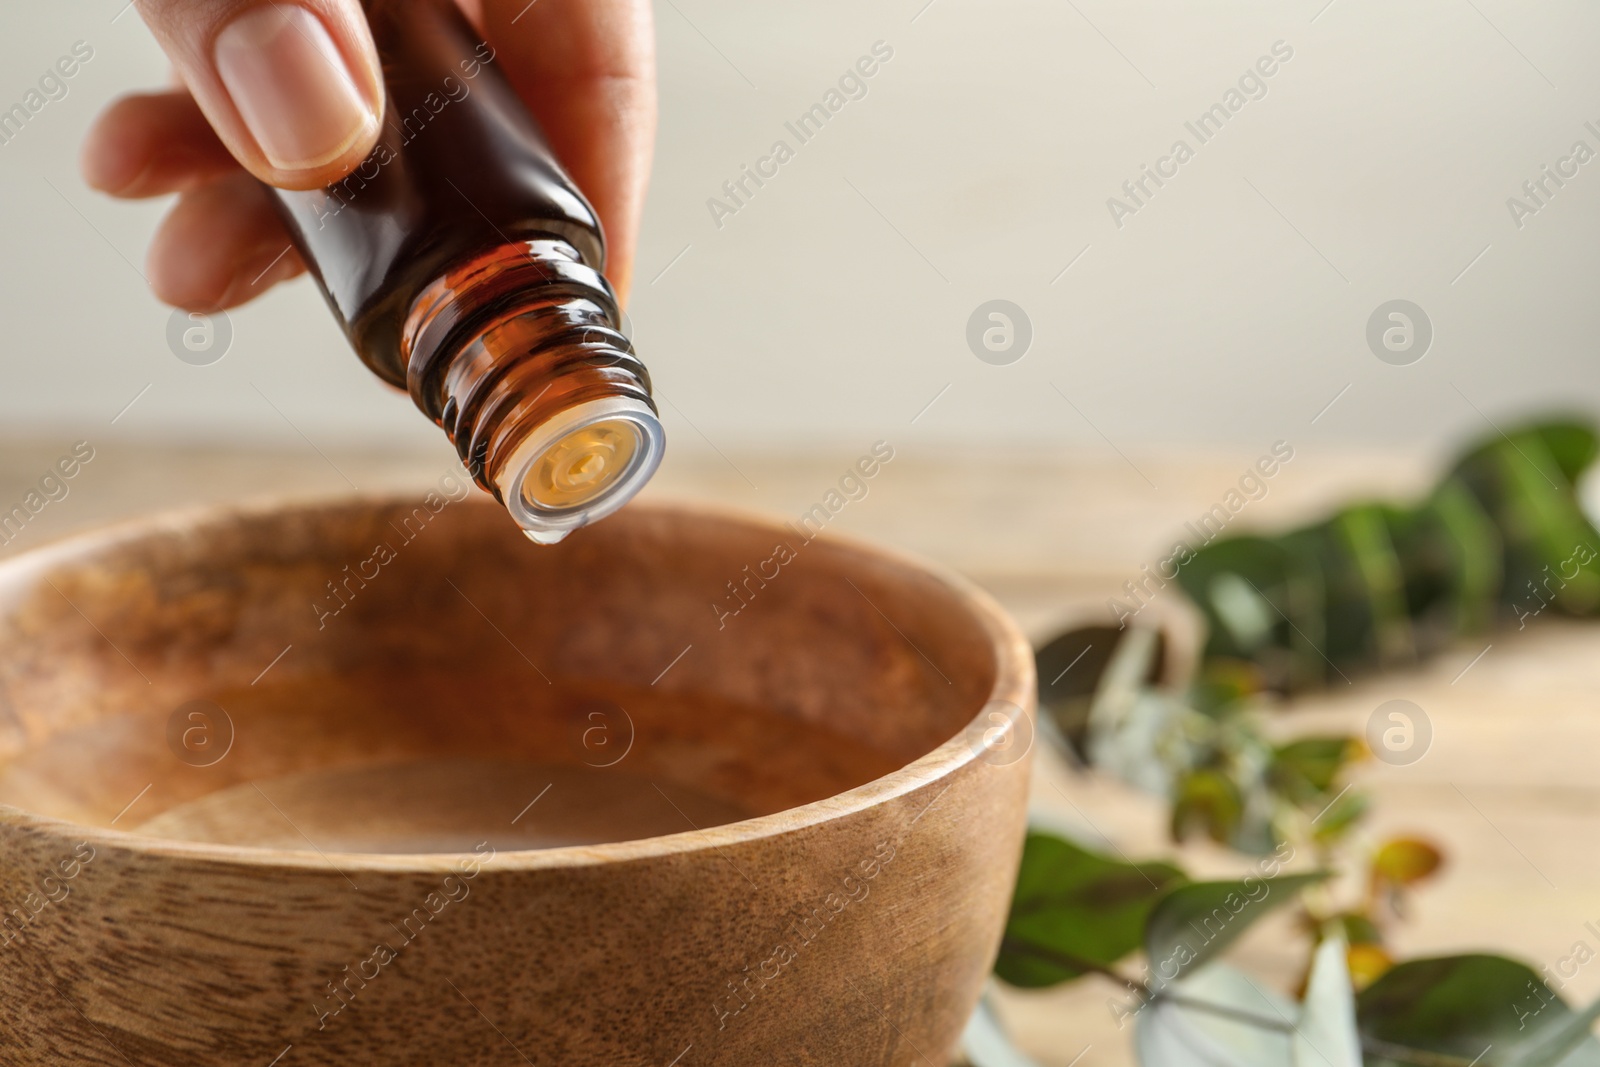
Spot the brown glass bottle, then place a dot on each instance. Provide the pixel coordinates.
(465, 268)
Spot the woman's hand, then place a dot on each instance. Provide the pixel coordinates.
(290, 92)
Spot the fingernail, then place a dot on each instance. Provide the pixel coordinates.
(291, 86)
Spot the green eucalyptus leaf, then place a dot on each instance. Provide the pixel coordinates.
(1194, 922)
(1571, 443)
(1405, 861)
(1135, 732)
(1216, 1017)
(1463, 1005)
(1359, 929)
(1256, 563)
(1349, 618)
(1305, 770)
(1326, 1034)
(1558, 537)
(1225, 686)
(1209, 802)
(1340, 815)
(1564, 1041)
(1549, 556)
(1069, 668)
(1568, 443)
(1425, 555)
(1365, 530)
(1465, 556)
(985, 1043)
(1307, 609)
(1252, 593)
(1075, 911)
(1377, 585)
(1364, 621)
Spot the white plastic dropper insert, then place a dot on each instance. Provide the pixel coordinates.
(581, 466)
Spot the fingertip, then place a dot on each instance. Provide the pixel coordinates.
(256, 274)
(110, 161)
(220, 246)
(348, 158)
(151, 144)
(194, 286)
(176, 278)
(303, 84)
(292, 88)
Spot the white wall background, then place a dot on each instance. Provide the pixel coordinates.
(1229, 311)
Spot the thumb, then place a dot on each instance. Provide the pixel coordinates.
(292, 87)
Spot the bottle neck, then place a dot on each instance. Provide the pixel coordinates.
(517, 356)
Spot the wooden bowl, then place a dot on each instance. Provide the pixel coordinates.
(379, 782)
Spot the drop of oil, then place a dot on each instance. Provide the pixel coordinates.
(546, 537)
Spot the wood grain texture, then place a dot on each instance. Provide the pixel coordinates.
(854, 929)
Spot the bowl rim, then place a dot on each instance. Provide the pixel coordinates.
(1013, 684)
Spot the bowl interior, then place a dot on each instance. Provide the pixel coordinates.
(414, 676)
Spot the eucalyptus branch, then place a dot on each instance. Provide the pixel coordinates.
(1375, 586)
(1239, 1015)
(1420, 1057)
(1402, 1053)
(1076, 963)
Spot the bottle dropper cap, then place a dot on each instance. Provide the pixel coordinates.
(580, 466)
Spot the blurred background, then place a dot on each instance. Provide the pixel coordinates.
(833, 305)
(1154, 343)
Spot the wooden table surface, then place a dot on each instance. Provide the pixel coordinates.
(1507, 788)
